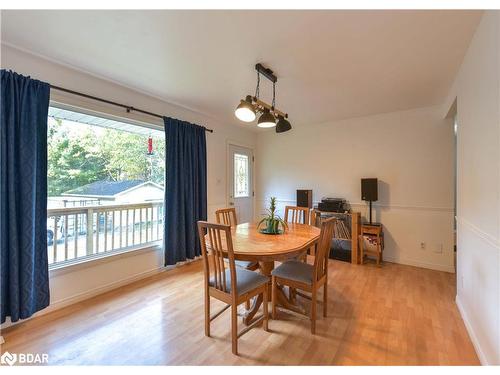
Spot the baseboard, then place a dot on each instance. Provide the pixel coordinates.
(417, 263)
(470, 331)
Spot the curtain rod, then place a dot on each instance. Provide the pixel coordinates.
(127, 107)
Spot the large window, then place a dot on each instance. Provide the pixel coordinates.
(105, 186)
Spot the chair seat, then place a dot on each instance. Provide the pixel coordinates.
(246, 280)
(296, 271)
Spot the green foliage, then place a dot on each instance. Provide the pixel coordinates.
(79, 155)
(273, 222)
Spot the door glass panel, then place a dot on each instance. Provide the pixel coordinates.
(241, 183)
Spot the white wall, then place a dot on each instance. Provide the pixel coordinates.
(477, 91)
(410, 152)
(81, 282)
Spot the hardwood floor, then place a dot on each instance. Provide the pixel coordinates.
(393, 315)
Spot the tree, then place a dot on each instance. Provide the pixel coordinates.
(82, 154)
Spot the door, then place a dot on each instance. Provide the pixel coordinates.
(240, 189)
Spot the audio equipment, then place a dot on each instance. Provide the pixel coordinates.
(304, 198)
(369, 191)
(332, 205)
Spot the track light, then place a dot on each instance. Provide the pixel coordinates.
(245, 110)
(248, 107)
(267, 120)
(283, 125)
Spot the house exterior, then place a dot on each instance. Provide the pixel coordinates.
(128, 191)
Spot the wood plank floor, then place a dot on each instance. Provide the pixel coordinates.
(393, 315)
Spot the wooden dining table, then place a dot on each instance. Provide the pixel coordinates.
(249, 244)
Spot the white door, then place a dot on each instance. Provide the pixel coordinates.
(240, 189)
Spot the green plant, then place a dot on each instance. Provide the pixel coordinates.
(273, 221)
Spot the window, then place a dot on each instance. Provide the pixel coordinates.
(241, 188)
(105, 186)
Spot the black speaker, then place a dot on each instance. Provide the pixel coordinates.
(304, 198)
(369, 189)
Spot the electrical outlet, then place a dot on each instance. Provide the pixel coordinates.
(422, 245)
(439, 248)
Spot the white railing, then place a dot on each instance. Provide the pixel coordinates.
(74, 233)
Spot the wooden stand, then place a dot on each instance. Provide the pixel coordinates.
(355, 229)
(375, 232)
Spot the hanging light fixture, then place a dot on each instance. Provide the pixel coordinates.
(283, 125)
(245, 110)
(267, 120)
(249, 107)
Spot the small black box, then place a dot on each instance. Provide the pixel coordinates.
(369, 189)
(304, 198)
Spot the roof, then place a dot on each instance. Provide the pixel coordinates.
(107, 188)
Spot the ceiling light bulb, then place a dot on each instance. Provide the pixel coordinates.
(267, 120)
(283, 125)
(245, 110)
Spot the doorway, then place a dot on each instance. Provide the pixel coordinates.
(240, 182)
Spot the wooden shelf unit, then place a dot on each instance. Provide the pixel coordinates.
(353, 220)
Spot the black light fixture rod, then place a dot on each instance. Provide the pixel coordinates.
(266, 72)
(127, 107)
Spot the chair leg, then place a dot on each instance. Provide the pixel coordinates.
(207, 314)
(274, 295)
(247, 304)
(265, 308)
(313, 311)
(293, 294)
(325, 298)
(234, 328)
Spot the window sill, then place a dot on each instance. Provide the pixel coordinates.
(94, 260)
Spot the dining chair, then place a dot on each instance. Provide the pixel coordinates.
(298, 215)
(295, 214)
(233, 285)
(228, 216)
(307, 277)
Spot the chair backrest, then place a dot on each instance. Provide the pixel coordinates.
(323, 248)
(295, 214)
(217, 238)
(226, 216)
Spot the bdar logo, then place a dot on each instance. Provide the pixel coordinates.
(24, 358)
(8, 359)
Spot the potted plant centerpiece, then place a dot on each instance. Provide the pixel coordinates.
(273, 223)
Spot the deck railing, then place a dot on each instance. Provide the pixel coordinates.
(74, 233)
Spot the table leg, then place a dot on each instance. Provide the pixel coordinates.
(266, 269)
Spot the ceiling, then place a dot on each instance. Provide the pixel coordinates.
(330, 65)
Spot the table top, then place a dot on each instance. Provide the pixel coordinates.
(250, 244)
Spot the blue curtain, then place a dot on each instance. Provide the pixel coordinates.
(185, 189)
(23, 200)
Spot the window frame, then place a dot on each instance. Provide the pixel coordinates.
(93, 259)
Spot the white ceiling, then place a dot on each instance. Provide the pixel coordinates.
(330, 64)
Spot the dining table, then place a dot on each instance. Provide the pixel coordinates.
(250, 244)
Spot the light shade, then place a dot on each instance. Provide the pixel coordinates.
(283, 125)
(245, 110)
(267, 120)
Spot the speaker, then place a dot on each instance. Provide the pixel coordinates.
(369, 189)
(305, 198)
